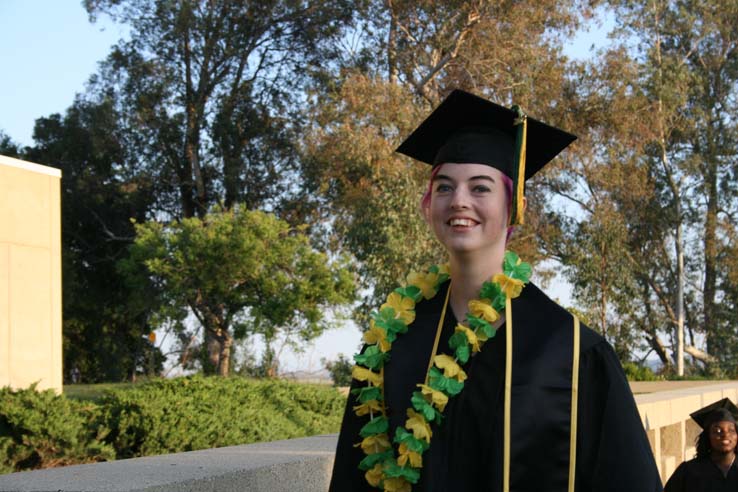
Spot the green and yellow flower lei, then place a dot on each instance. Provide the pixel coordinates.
(396, 472)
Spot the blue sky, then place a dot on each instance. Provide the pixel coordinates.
(49, 50)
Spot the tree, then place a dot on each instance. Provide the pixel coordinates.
(648, 155)
(240, 272)
(689, 51)
(339, 369)
(8, 147)
(409, 56)
(206, 89)
(105, 323)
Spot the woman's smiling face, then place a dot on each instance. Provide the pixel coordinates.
(723, 437)
(469, 208)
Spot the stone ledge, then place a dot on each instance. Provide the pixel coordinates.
(290, 466)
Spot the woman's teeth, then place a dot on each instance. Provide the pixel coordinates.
(461, 222)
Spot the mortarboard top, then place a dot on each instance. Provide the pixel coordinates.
(466, 128)
(464, 111)
(715, 412)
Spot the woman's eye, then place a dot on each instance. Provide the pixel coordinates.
(442, 187)
(481, 189)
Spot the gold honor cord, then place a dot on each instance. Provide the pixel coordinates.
(508, 389)
(438, 334)
(574, 403)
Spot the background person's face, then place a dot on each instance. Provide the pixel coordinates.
(723, 437)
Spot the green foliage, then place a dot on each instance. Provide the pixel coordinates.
(370, 194)
(40, 429)
(104, 318)
(206, 90)
(184, 414)
(638, 372)
(91, 392)
(340, 370)
(238, 268)
(7, 146)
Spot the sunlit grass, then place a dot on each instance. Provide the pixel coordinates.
(92, 392)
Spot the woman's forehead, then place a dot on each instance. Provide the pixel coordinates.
(723, 423)
(451, 170)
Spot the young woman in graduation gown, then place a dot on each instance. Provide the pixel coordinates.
(472, 379)
(714, 468)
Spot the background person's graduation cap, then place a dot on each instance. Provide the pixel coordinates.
(718, 411)
(466, 128)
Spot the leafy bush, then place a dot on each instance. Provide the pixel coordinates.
(184, 414)
(637, 372)
(43, 429)
(340, 370)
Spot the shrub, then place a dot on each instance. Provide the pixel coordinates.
(185, 414)
(636, 372)
(340, 370)
(43, 429)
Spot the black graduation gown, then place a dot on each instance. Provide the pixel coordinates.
(702, 475)
(466, 451)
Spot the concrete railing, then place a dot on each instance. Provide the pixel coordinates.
(296, 465)
(305, 464)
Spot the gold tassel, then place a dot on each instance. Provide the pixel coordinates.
(517, 217)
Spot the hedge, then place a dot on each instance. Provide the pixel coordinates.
(42, 429)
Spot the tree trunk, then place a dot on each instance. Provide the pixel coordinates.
(226, 342)
(711, 252)
(392, 46)
(699, 355)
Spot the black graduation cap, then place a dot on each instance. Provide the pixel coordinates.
(466, 128)
(718, 411)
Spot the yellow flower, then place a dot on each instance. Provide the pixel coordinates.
(482, 308)
(396, 484)
(450, 368)
(420, 427)
(474, 340)
(374, 476)
(416, 461)
(403, 307)
(363, 374)
(367, 407)
(375, 444)
(510, 286)
(425, 282)
(377, 335)
(437, 398)
(444, 269)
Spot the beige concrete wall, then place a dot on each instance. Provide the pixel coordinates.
(671, 431)
(30, 275)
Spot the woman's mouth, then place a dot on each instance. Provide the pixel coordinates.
(458, 222)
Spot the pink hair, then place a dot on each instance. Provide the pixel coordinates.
(426, 198)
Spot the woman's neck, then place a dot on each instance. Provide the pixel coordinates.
(723, 460)
(467, 278)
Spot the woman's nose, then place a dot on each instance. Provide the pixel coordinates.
(460, 198)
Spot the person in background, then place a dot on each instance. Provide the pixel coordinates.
(714, 468)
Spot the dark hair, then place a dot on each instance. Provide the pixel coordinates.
(703, 442)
